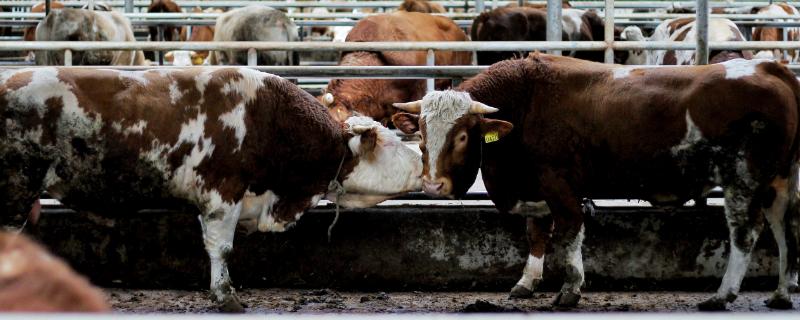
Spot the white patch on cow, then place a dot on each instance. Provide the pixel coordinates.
(574, 259)
(571, 22)
(392, 168)
(137, 76)
(136, 128)
(186, 182)
(621, 72)
(260, 208)
(201, 81)
(234, 120)
(51, 178)
(534, 268)
(692, 137)
(441, 109)
(315, 200)
(218, 233)
(719, 30)
(175, 93)
(738, 262)
(740, 68)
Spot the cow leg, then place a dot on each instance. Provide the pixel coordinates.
(568, 223)
(745, 223)
(775, 213)
(219, 227)
(539, 231)
(792, 220)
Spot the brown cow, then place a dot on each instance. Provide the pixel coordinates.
(171, 33)
(373, 97)
(198, 33)
(529, 23)
(235, 144)
(29, 33)
(422, 6)
(33, 280)
(591, 130)
(777, 34)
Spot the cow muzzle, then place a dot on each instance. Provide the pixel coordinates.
(434, 187)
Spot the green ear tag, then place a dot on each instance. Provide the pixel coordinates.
(492, 136)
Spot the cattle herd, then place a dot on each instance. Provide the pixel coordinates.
(244, 148)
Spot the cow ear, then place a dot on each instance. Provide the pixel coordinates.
(408, 123)
(493, 129)
(369, 139)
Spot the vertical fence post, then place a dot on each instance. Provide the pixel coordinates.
(68, 57)
(554, 22)
(159, 56)
(609, 31)
(479, 6)
(252, 58)
(701, 22)
(90, 5)
(46, 7)
(430, 60)
(128, 6)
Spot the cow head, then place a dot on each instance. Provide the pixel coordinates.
(453, 132)
(184, 58)
(383, 166)
(634, 57)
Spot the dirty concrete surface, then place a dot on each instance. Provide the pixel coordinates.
(331, 301)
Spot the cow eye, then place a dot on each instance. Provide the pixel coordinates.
(463, 138)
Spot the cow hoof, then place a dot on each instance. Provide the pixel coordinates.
(712, 304)
(780, 302)
(567, 299)
(520, 292)
(231, 305)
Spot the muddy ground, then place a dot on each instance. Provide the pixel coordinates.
(330, 301)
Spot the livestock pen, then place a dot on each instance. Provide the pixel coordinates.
(413, 245)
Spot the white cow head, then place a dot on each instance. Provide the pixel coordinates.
(635, 57)
(386, 167)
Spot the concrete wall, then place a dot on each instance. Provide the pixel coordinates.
(394, 248)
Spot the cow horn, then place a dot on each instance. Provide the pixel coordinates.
(359, 129)
(327, 99)
(480, 108)
(413, 107)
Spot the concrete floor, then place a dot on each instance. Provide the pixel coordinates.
(291, 301)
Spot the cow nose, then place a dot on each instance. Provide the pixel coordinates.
(432, 188)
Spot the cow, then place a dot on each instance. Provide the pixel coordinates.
(374, 97)
(529, 23)
(33, 280)
(171, 33)
(85, 25)
(422, 6)
(777, 34)
(29, 33)
(232, 144)
(255, 23)
(683, 30)
(564, 129)
(193, 33)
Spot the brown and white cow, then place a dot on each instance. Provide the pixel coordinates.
(777, 34)
(422, 6)
(195, 33)
(564, 129)
(236, 144)
(529, 23)
(85, 25)
(374, 97)
(29, 33)
(255, 23)
(33, 280)
(683, 30)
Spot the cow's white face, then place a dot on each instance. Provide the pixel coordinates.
(386, 166)
(635, 57)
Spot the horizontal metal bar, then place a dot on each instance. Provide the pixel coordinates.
(388, 4)
(307, 46)
(386, 72)
(192, 15)
(391, 46)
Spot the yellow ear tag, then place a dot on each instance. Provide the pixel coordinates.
(492, 136)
